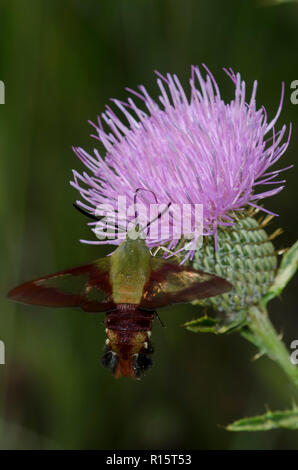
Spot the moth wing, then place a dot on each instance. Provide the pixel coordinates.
(87, 287)
(170, 283)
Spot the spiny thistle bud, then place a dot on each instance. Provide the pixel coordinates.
(245, 256)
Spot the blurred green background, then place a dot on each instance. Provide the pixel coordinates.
(61, 61)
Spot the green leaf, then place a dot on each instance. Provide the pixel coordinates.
(203, 324)
(271, 420)
(207, 324)
(286, 271)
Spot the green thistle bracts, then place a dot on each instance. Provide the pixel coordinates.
(245, 257)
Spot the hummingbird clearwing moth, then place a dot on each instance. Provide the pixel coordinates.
(129, 285)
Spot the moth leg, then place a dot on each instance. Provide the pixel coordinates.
(166, 250)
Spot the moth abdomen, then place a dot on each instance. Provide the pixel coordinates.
(128, 344)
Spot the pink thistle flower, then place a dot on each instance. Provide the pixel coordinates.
(197, 150)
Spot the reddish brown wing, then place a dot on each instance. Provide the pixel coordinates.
(170, 283)
(86, 286)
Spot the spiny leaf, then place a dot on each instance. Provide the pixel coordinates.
(207, 324)
(286, 271)
(203, 324)
(270, 420)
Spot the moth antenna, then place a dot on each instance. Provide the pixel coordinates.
(156, 218)
(143, 189)
(136, 214)
(84, 212)
(91, 216)
(135, 199)
(160, 321)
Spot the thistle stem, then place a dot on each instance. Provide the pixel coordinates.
(262, 333)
